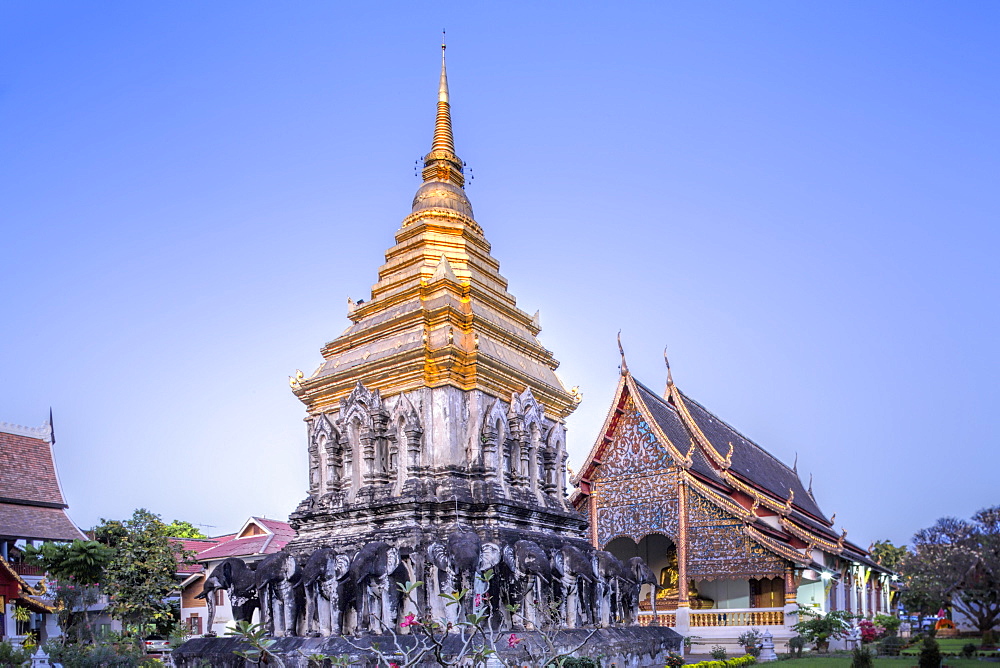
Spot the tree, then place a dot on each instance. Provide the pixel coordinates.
(956, 562)
(77, 569)
(141, 573)
(887, 555)
(182, 529)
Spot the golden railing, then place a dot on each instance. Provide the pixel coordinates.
(756, 617)
(662, 619)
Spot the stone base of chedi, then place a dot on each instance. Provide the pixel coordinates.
(623, 647)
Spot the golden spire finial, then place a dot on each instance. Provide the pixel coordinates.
(441, 164)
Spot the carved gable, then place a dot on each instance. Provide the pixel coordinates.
(719, 546)
(637, 482)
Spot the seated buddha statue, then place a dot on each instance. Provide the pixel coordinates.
(669, 589)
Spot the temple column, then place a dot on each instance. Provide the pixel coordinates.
(682, 623)
(791, 593)
(412, 449)
(368, 452)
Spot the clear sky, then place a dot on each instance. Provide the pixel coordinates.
(801, 199)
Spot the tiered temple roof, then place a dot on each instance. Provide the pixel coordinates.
(726, 469)
(31, 500)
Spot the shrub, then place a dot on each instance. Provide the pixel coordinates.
(796, 644)
(930, 654)
(742, 661)
(583, 662)
(674, 660)
(968, 650)
(718, 652)
(750, 641)
(861, 657)
(889, 623)
(12, 655)
(890, 646)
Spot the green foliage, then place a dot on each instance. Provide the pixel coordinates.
(140, 574)
(260, 645)
(930, 654)
(818, 629)
(861, 657)
(890, 646)
(888, 555)
(956, 562)
(82, 561)
(182, 529)
(968, 650)
(582, 662)
(750, 641)
(115, 652)
(12, 656)
(718, 652)
(745, 660)
(796, 644)
(889, 623)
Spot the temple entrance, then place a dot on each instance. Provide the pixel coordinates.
(660, 554)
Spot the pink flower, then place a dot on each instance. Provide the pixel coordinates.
(393, 664)
(513, 640)
(479, 600)
(409, 620)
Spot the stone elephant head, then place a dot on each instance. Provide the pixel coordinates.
(234, 577)
(529, 581)
(461, 563)
(612, 581)
(323, 581)
(576, 582)
(278, 587)
(372, 587)
(639, 574)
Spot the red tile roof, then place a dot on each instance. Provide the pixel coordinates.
(195, 545)
(37, 523)
(278, 535)
(28, 471)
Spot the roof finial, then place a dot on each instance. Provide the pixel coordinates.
(795, 464)
(811, 485)
(441, 164)
(621, 351)
(670, 378)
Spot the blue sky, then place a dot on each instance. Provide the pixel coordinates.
(799, 198)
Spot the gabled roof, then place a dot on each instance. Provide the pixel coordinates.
(194, 545)
(31, 500)
(736, 474)
(276, 535)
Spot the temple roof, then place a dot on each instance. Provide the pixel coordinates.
(31, 500)
(727, 469)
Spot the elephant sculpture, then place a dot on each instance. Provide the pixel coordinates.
(530, 581)
(323, 581)
(574, 573)
(235, 578)
(278, 579)
(639, 574)
(373, 581)
(612, 581)
(460, 566)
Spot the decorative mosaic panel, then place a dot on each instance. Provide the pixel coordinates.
(635, 449)
(636, 483)
(719, 547)
(637, 520)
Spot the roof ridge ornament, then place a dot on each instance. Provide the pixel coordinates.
(729, 456)
(621, 351)
(670, 377)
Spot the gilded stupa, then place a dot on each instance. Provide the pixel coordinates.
(438, 404)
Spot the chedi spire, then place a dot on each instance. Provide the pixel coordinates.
(444, 181)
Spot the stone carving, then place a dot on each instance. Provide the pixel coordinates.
(460, 564)
(237, 580)
(323, 579)
(529, 575)
(639, 574)
(577, 585)
(373, 581)
(612, 580)
(278, 577)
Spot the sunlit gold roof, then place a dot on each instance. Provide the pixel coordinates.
(440, 313)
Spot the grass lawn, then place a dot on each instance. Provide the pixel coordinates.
(946, 645)
(844, 661)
